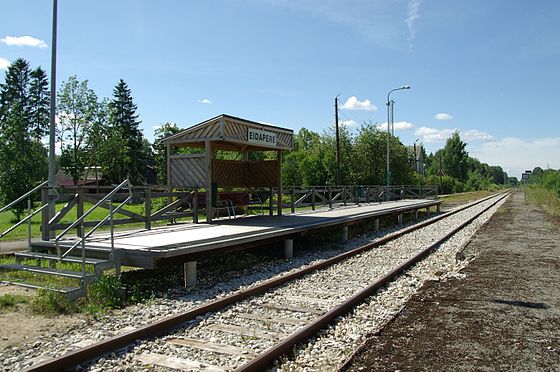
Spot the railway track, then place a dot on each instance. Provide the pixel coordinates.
(248, 330)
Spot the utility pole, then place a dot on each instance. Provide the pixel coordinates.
(338, 182)
(52, 124)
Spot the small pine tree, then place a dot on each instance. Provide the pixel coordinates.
(124, 150)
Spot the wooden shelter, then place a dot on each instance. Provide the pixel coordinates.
(228, 133)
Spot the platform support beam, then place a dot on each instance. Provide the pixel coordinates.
(416, 214)
(289, 248)
(190, 273)
(400, 219)
(344, 235)
(439, 208)
(428, 211)
(376, 225)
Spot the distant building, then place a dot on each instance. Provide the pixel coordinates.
(525, 176)
(418, 161)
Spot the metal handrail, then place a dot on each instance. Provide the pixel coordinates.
(82, 241)
(22, 221)
(101, 223)
(100, 202)
(30, 215)
(24, 196)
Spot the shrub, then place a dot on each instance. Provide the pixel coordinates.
(105, 293)
(51, 303)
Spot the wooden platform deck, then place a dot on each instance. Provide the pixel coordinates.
(184, 242)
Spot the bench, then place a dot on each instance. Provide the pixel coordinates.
(229, 201)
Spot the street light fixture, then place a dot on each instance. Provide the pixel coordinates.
(389, 134)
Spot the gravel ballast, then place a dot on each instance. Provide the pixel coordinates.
(320, 290)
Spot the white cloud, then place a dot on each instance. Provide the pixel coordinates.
(515, 155)
(353, 103)
(443, 116)
(23, 41)
(379, 21)
(433, 135)
(398, 125)
(475, 134)
(349, 124)
(4, 63)
(205, 101)
(440, 135)
(413, 14)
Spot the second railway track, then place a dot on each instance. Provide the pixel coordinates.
(250, 329)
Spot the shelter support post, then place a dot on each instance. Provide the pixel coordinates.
(279, 170)
(376, 225)
(209, 157)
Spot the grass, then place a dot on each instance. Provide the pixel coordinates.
(463, 198)
(9, 301)
(544, 198)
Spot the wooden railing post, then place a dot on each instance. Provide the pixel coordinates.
(293, 200)
(313, 198)
(271, 202)
(195, 206)
(148, 207)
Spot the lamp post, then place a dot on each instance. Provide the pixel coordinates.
(389, 134)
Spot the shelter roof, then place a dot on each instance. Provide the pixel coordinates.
(233, 133)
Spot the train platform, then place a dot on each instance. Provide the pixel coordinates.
(187, 242)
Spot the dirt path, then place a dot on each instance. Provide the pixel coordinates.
(505, 315)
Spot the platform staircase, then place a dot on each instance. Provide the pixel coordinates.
(64, 257)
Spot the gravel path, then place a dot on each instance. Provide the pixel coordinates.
(319, 291)
(503, 315)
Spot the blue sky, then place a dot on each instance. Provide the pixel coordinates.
(487, 68)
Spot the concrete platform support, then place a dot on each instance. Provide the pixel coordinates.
(439, 208)
(289, 248)
(190, 273)
(400, 218)
(344, 235)
(376, 225)
(416, 214)
(428, 211)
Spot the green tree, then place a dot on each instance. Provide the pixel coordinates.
(22, 157)
(160, 149)
(39, 103)
(124, 149)
(455, 157)
(77, 109)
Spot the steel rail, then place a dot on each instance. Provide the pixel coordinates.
(82, 355)
(265, 359)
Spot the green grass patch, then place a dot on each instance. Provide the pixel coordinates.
(9, 301)
(463, 198)
(50, 303)
(544, 198)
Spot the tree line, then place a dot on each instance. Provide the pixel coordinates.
(105, 132)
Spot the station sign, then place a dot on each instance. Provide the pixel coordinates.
(261, 137)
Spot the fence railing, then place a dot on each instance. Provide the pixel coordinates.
(156, 204)
(30, 213)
